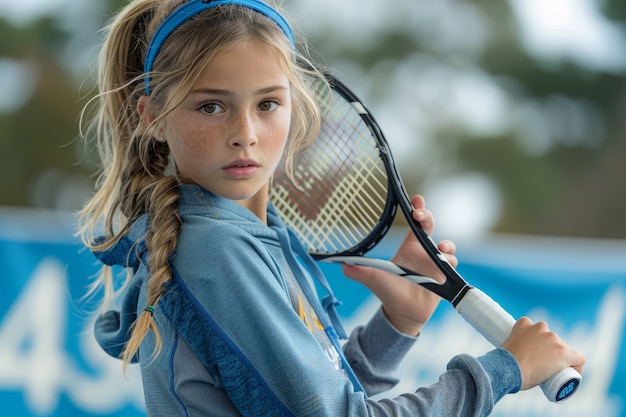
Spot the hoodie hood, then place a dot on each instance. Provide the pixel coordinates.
(112, 327)
(128, 251)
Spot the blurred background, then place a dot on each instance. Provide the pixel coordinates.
(509, 116)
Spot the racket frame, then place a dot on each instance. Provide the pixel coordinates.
(455, 287)
(482, 312)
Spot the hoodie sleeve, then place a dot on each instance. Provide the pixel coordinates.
(469, 388)
(375, 352)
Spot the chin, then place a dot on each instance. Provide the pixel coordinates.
(239, 196)
(241, 193)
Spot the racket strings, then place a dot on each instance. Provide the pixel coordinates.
(340, 189)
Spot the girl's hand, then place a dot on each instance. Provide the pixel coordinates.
(408, 306)
(540, 353)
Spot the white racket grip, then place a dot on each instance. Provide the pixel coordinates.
(495, 324)
(486, 316)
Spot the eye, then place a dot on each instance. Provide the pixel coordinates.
(268, 106)
(211, 108)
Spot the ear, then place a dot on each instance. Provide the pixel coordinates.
(147, 118)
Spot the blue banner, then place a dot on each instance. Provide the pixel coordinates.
(51, 366)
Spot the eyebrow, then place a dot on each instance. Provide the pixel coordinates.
(222, 92)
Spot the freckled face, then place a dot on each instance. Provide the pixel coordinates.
(230, 132)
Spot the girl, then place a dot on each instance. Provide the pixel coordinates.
(198, 103)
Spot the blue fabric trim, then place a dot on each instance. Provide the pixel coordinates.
(123, 249)
(244, 385)
(192, 8)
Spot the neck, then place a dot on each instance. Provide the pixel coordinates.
(258, 203)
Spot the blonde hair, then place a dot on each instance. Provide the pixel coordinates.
(134, 178)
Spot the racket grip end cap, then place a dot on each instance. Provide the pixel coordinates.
(561, 386)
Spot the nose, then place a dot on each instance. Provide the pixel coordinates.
(244, 132)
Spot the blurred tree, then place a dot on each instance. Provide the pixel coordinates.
(38, 135)
(574, 188)
(558, 163)
(45, 163)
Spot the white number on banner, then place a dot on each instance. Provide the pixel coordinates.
(32, 337)
(35, 359)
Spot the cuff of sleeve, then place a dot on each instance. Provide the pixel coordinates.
(504, 372)
(380, 340)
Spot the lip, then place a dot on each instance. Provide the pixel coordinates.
(241, 168)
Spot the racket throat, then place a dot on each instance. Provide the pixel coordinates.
(451, 290)
(459, 296)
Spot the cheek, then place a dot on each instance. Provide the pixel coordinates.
(282, 132)
(276, 148)
(188, 146)
(282, 135)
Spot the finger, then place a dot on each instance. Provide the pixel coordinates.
(578, 362)
(418, 201)
(447, 247)
(422, 215)
(452, 260)
(356, 272)
(365, 275)
(523, 322)
(426, 220)
(381, 283)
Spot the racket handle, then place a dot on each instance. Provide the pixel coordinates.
(495, 324)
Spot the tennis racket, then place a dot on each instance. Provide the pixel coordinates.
(344, 198)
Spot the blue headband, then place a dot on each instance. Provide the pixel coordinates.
(192, 8)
